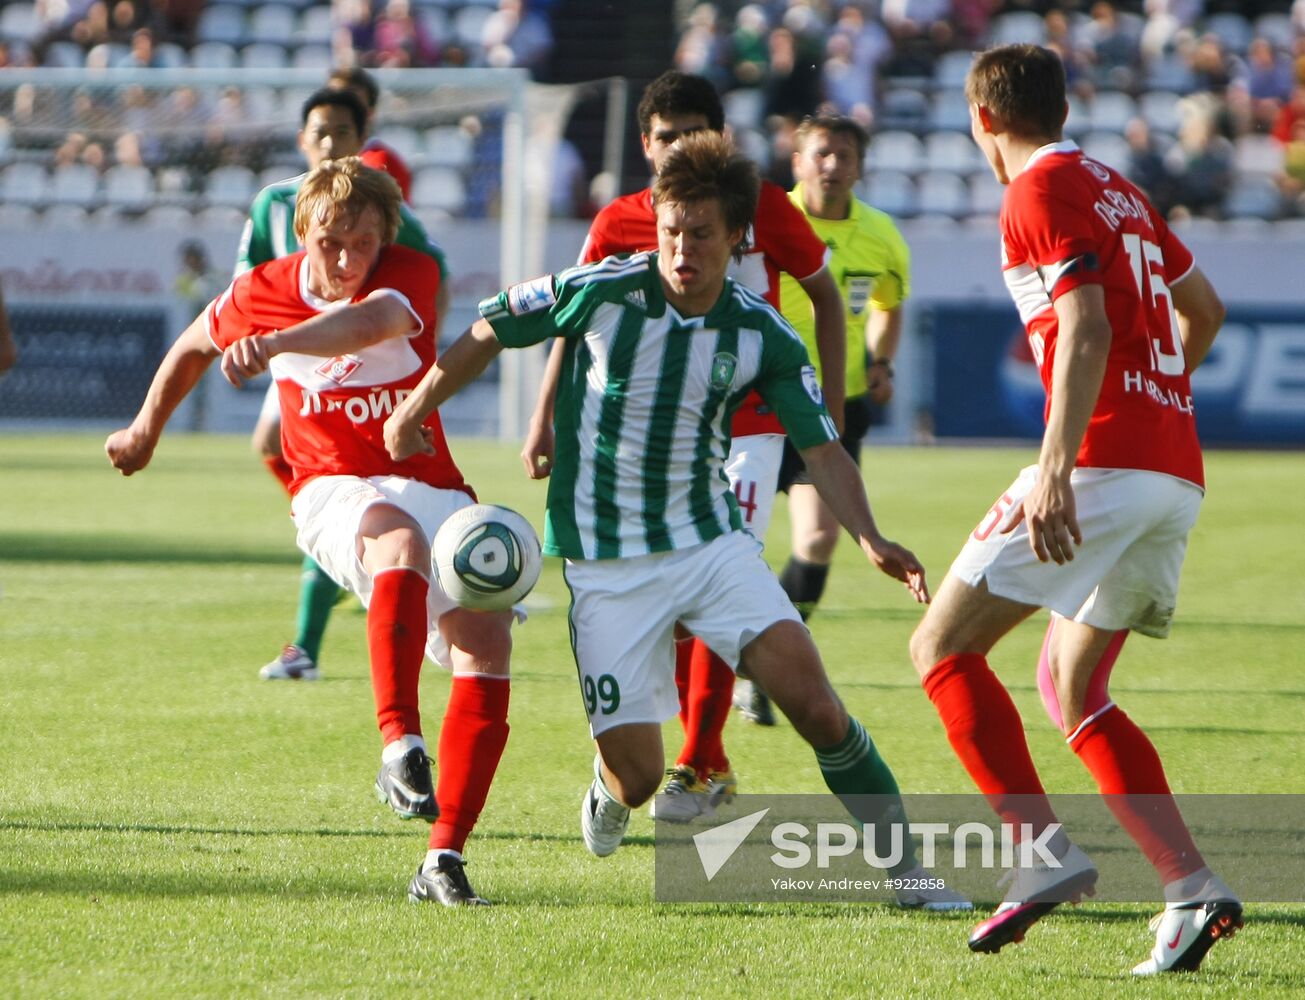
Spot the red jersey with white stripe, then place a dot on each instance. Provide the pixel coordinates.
(379, 156)
(333, 409)
(781, 240)
(1067, 221)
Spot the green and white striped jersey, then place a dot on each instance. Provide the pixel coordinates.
(269, 231)
(644, 404)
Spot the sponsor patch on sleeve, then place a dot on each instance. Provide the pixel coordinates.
(531, 296)
(812, 384)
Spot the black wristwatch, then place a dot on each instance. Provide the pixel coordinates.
(883, 363)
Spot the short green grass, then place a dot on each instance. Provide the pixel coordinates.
(170, 826)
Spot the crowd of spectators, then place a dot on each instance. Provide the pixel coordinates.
(1235, 70)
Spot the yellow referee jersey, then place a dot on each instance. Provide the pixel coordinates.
(872, 266)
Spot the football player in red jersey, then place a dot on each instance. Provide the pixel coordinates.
(347, 328)
(375, 153)
(1117, 315)
(780, 240)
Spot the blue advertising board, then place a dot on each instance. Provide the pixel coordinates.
(1249, 391)
(82, 363)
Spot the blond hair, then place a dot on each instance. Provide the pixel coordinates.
(345, 188)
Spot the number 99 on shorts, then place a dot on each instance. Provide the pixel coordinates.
(602, 696)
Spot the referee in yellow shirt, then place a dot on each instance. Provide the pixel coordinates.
(871, 263)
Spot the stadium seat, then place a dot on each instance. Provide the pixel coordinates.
(213, 55)
(440, 188)
(264, 55)
(278, 172)
(949, 109)
(940, 192)
(315, 26)
(1232, 29)
(18, 218)
(231, 185)
(312, 57)
(272, 23)
(743, 107)
(75, 184)
(221, 23)
(1108, 147)
(1255, 196)
(986, 194)
(754, 144)
(1171, 72)
(129, 187)
(1257, 154)
(895, 151)
(950, 70)
(220, 217)
(1159, 109)
(1017, 26)
(952, 151)
(171, 55)
(72, 217)
(19, 22)
(1277, 29)
(1079, 120)
(174, 217)
(405, 140)
(64, 55)
(448, 146)
(469, 25)
(891, 191)
(24, 184)
(172, 186)
(436, 22)
(1110, 111)
(903, 108)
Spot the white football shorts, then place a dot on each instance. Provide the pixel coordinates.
(623, 615)
(328, 513)
(1125, 574)
(753, 471)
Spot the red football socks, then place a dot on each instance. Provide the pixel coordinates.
(985, 729)
(396, 642)
(705, 711)
(1129, 774)
(472, 739)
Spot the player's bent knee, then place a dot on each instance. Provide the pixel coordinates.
(480, 641)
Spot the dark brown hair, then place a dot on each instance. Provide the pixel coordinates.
(705, 166)
(1024, 85)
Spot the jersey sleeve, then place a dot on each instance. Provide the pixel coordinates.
(893, 287)
(788, 382)
(256, 237)
(411, 278)
(553, 305)
(412, 234)
(783, 234)
(1053, 232)
(599, 241)
(225, 319)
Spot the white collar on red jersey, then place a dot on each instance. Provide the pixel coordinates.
(1063, 146)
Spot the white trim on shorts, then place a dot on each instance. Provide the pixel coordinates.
(1134, 524)
(623, 615)
(753, 471)
(328, 513)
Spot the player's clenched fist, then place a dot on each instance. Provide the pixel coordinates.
(244, 359)
(129, 450)
(404, 438)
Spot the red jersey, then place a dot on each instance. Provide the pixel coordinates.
(379, 156)
(781, 240)
(1066, 221)
(333, 409)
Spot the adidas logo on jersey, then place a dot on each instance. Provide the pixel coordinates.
(636, 298)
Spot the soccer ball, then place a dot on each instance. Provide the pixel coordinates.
(486, 557)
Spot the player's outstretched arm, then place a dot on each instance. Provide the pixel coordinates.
(838, 481)
(131, 448)
(1082, 346)
(1200, 314)
(470, 355)
(537, 451)
(831, 339)
(380, 316)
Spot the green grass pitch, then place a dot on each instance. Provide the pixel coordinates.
(172, 827)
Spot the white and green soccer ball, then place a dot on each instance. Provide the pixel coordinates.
(486, 557)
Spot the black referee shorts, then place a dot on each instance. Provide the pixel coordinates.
(858, 413)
